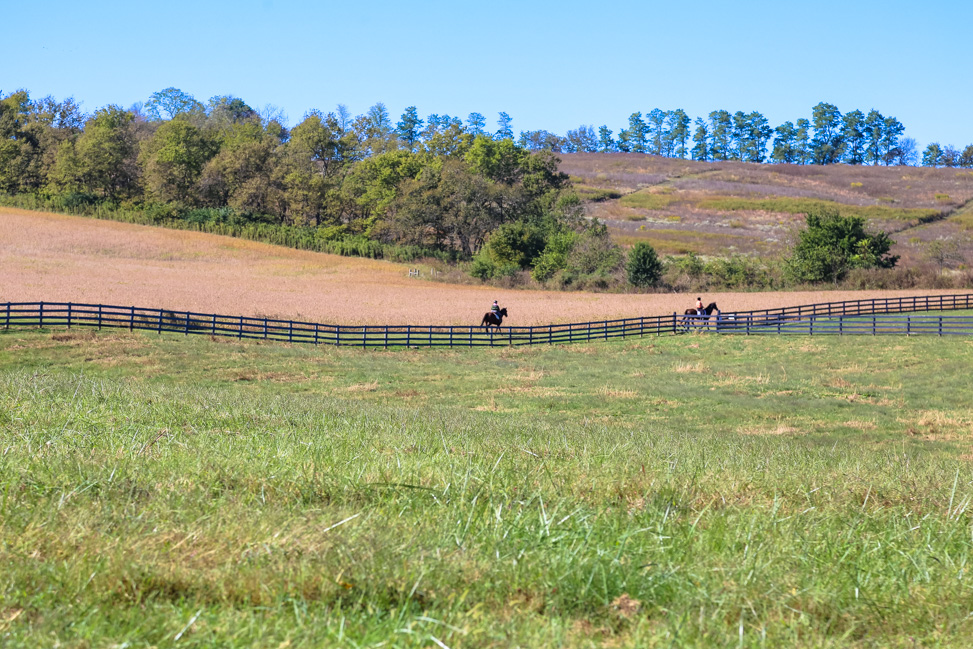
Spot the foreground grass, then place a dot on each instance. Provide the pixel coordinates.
(691, 491)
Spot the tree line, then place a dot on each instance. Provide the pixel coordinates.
(438, 185)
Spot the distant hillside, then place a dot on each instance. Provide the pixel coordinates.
(720, 208)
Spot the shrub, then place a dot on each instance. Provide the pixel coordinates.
(643, 266)
(831, 245)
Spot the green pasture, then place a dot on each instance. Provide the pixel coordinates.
(674, 491)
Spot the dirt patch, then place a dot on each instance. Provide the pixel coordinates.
(59, 258)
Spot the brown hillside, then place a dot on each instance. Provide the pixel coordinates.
(54, 257)
(719, 208)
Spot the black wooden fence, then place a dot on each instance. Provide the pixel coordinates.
(825, 318)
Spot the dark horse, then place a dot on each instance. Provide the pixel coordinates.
(495, 319)
(693, 318)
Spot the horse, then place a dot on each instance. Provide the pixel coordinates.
(493, 318)
(692, 317)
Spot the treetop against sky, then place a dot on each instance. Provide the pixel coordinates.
(549, 67)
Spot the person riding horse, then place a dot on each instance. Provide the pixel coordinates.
(700, 310)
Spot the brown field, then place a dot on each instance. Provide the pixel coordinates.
(60, 258)
(674, 204)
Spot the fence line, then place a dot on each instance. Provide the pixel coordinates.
(842, 318)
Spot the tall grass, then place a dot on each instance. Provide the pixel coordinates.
(687, 492)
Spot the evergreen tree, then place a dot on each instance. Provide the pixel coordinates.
(656, 131)
(504, 132)
(873, 132)
(677, 133)
(932, 156)
(853, 137)
(643, 266)
(802, 145)
(409, 128)
(721, 135)
(785, 144)
(891, 130)
(635, 134)
(475, 123)
(606, 143)
(700, 138)
(826, 147)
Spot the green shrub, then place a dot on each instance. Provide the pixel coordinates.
(643, 267)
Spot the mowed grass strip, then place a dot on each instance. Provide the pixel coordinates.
(688, 491)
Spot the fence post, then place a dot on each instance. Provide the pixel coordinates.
(550, 334)
(214, 324)
(265, 328)
(908, 325)
(69, 315)
(40, 324)
(873, 324)
(6, 324)
(530, 336)
(408, 335)
(641, 326)
(451, 335)
(387, 337)
(841, 322)
(160, 322)
(510, 336)
(240, 330)
(315, 333)
(187, 322)
(290, 331)
(131, 319)
(99, 317)
(940, 325)
(337, 336)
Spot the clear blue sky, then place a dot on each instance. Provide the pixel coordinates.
(550, 65)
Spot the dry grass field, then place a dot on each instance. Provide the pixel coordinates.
(61, 258)
(717, 208)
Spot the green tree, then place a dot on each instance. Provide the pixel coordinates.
(504, 132)
(475, 123)
(606, 143)
(241, 174)
(409, 128)
(853, 137)
(582, 140)
(830, 245)
(643, 266)
(826, 147)
(103, 159)
(966, 157)
(721, 135)
(170, 102)
(700, 139)
(785, 148)
(892, 130)
(677, 133)
(172, 161)
(932, 156)
(635, 134)
(873, 132)
(802, 146)
(656, 131)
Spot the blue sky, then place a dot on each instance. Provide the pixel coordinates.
(549, 65)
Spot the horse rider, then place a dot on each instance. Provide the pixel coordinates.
(699, 306)
(495, 310)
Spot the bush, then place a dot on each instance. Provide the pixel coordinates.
(643, 267)
(831, 245)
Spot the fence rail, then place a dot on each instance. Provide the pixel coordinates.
(842, 318)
